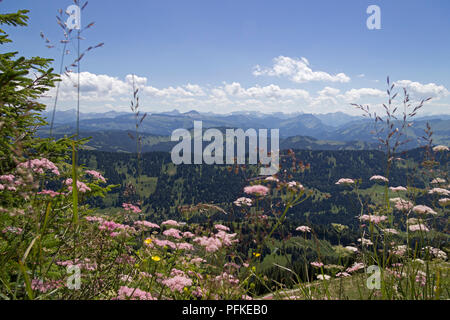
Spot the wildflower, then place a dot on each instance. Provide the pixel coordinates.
(444, 202)
(146, 224)
(352, 249)
(294, 185)
(323, 277)
(164, 243)
(185, 246)
(379, 178)
(172, 233)
(440, 148)
(130, 207)
(418, 227)
(243, 201)
(355, 267)
(221, 227)
(438, 181)
(399, 250)
(391, 231)
(177, 283)
(211, 244)
(40, 165)
(198, 260)
(303, 229)
(421, 209)
(96, 175)
(272, 179)
(421, 278)
(51, 193)
(397, 189)
(8, 178)
(401, 204)
(257, 189)
(440, 191)
(148, 241)
(437, 253)
(171, 223)
(345, 181)
(256, 254)
(43, 287)
(365, 242)
(133, 294)
(343, 274)
(188, 234)
(156, 258)
(317, 264)
(81, 186)
(372, 218)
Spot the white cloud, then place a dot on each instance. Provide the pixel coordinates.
(297, 70)
(354, 95)
(422, 91)
(104, 93)
(271, 91)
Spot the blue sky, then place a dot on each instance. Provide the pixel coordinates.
(222, 56)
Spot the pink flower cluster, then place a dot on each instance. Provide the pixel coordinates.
(96, 175)
(345, 181)
(221, 227)
(317, 264)
(294, 185)
(81, 186)
(146, 224)
(303, 229)
(126, 293)
(257, 189)
(227, 278)
(355, 267)
(172, 232)
(185, 246)
(379, 178)
(177, 283)
(372, 218)
(130, 207)
(162, 243)
(401, 204)
(82, 264)
(9, 183)
(50, 193)
(418, 227)
(43, 287)
(171, 223)
(421, 209)
(243, 201)
(398, 189)
(40, 165)
(115, 228)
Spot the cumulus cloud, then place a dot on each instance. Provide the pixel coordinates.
(297, 70)
(271, 91)
(356, 94)
(103, 92)
(423, 91)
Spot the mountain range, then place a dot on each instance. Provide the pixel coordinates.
(331, 131)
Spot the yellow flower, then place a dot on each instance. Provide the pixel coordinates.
(253, 269)
(256, 254)
(156, 258)
(148, 241)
